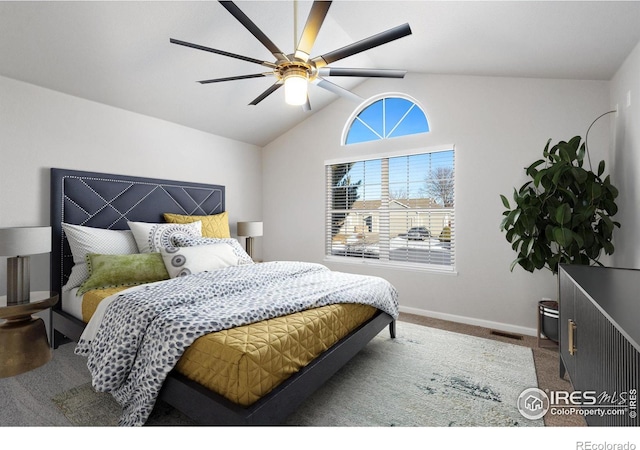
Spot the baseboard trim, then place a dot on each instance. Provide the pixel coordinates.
(471, 321)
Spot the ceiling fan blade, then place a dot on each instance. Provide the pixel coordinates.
(239, 77)
(253, 28)
(316, 17)
(223, 53)
(373, 73)
(329, 86)
(365, 44)
(274, 87)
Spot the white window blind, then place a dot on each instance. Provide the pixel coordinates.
(396, 210)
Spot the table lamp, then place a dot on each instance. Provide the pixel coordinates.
(19, 243)
(249, 230)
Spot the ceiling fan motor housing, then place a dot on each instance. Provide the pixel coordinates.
(295, 69)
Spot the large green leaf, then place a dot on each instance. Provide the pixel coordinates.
(545, 152)
(548, 232)
(538, 178)
(513, 216)
(563, 236)
(505, 202)
(568, 150)
(610, 207)
(529, 246)
(563, 214)
(574, 143)
(515, 263)
(607, 224)
(608, 248)
(579, 174)
(531, 170)
(558, 171)
(578, 239)
(568, 194)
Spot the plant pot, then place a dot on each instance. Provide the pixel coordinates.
(549, 315)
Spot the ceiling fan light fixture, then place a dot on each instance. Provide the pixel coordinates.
(296, 81)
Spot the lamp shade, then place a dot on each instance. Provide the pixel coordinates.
(23, 241)
(251, 229)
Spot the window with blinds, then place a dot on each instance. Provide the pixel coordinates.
(395, 210)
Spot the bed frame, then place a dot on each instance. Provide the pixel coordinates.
(109, 201)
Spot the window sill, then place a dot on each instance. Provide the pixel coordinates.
(391, 265)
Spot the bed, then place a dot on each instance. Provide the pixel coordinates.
(112, 202)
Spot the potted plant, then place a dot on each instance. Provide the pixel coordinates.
(562, 214)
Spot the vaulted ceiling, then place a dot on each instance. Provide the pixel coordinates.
(118, 53)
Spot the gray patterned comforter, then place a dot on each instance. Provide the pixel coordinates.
(144, 332)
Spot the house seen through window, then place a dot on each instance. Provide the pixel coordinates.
(397, 209)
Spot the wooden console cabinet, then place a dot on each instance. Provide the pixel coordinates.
(600, 338)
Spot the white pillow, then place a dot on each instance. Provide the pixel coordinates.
(184, 241)
(152, 237)
(181, 261)
(83, 240)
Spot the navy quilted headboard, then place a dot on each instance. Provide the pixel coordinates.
(108, 201)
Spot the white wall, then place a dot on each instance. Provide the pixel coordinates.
(625, 160)
(498, 126)
(40, 129)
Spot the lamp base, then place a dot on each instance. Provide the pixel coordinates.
(249, 246)
(23, 346)
(18, 274)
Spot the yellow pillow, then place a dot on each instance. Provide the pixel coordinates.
(215, 226)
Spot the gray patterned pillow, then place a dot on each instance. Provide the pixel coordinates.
(153, 237)
(184, 241)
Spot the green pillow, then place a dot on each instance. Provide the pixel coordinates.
(123, 270)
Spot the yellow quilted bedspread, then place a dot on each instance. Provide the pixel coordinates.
(245, 363)
(91, 300)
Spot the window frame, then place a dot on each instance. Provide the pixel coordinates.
(370, 101)
(404, 265)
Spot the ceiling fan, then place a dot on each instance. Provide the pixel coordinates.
(295, 71)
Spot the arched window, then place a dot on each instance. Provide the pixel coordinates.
(385, 117)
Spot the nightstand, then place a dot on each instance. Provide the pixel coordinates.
(23, 339)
